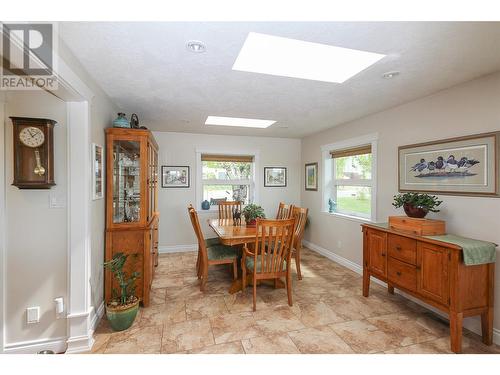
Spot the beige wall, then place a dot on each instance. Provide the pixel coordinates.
(36, 236)
(102, 114)
(180, 149)
(469, 108)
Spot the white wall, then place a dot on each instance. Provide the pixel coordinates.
(35, 252)
(36, 238)
(180, 149)
(469, 108)
(103, 111)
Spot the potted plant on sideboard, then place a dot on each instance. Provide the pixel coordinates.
(252, 212)
(122, 309)
(417, 205)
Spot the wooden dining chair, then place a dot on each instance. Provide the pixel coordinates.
(300, 215)
(211, 255)
(285, 211)
(271, 255)
(226, 209)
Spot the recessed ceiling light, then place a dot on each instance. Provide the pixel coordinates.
(235, 121)
(390, 75)
(286, 57)
(196, 46)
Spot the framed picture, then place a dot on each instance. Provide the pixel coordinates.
(311, 176)
(97, 172)
(174, 176)
(457, 166)
(274, 176)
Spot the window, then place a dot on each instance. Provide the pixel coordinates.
(349, 181)
(227, 178)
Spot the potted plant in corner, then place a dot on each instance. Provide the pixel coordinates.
(122, 309)
(417, 205)
(252, 212)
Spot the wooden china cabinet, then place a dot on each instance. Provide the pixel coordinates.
(131, 205)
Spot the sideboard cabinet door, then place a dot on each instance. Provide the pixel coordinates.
(377, 252)
(432, 272)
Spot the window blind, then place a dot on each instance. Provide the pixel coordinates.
(351, 151)
(228, 158)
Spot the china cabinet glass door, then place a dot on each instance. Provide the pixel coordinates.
(127, 181)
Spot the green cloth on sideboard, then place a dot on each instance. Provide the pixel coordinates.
(475, 251)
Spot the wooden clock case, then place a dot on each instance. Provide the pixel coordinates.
(24, 156)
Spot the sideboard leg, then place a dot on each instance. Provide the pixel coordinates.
(366, 282)
(390, 289)
(487, 326)
(456, 320)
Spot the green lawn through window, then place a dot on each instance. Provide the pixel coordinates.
(353, 204)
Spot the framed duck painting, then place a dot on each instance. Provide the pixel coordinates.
(457, 166)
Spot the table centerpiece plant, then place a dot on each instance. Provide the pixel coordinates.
(252, 212)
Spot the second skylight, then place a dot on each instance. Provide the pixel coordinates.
(237, 121)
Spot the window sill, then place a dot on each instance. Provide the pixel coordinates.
(348, 217)
(200, 211)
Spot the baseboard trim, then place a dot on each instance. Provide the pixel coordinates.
(80, 344)
(177, 249)
(57, 345)
(97, 317)
(359, 269)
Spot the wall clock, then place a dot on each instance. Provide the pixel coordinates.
(33, 153)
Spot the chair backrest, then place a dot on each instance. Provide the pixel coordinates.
(193, 215)
(273, 243)
(285, 211)
(300, 216)
(226, 209)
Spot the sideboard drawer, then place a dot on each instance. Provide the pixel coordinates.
(402, 248)
(402, 274)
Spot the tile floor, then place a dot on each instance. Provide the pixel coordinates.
(329, 315)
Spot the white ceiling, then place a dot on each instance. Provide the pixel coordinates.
(145, 68)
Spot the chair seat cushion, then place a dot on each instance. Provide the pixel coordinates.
(212, 241)
(249, 262)
(219, 252)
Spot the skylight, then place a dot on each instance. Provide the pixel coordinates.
(235, 121)
(286, 57)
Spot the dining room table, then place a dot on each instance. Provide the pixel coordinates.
(237, 234)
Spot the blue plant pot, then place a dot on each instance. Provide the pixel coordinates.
(205, 205)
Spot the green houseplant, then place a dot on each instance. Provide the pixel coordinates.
(417, 205)
(252, 212)
(122, 309)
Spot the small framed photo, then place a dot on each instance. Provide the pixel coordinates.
(97, 172)
(311, 176)
(173, 176)
(274, 176)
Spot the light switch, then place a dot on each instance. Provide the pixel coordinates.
(57, 200)
(33, 314)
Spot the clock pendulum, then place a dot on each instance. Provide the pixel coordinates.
(39, 170)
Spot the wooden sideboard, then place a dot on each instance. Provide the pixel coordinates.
(432, 271)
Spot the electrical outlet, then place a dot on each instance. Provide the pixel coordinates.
(339, 244)
(33, 315)
(59, 301)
